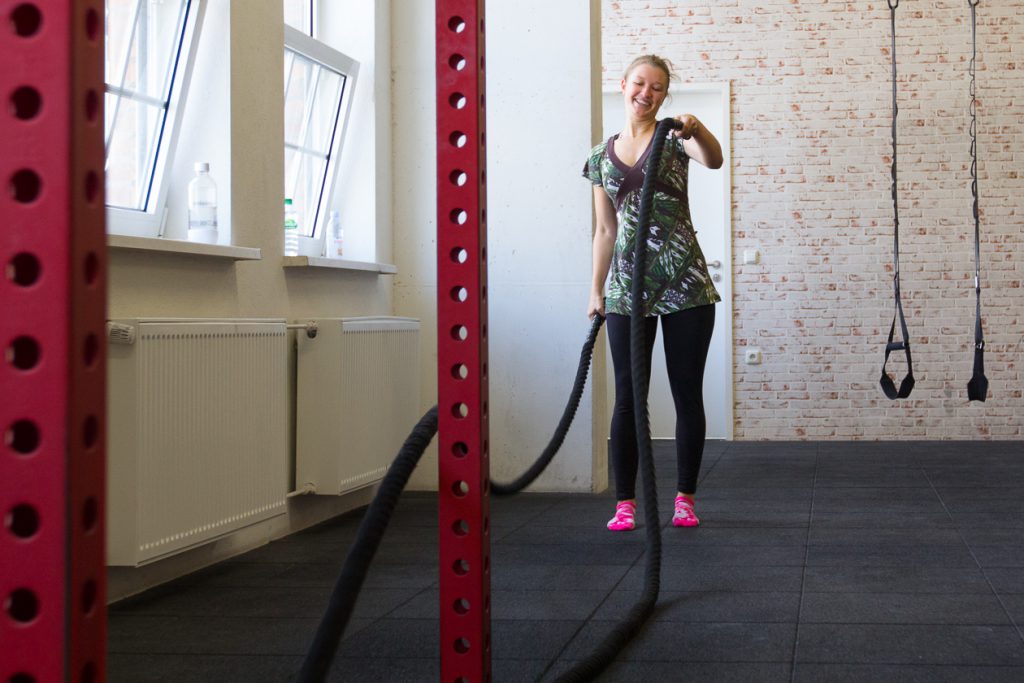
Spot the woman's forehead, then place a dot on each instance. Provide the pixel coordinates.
(649, 72)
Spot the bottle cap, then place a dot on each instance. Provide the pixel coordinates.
(202, 166)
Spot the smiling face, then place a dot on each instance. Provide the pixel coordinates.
(644, 90)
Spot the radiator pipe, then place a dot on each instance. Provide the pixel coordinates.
(309, 326)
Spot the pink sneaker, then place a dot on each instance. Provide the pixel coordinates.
(684, 514)
(624, 519)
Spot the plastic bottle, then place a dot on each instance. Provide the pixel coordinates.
(336, 235)
(291, 229)
(202, 206)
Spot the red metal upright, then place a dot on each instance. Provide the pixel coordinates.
(52, 380)
(462, 344)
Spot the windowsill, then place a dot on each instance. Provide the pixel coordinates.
(339, 264)
(131, 243)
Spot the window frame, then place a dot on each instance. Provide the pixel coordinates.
(149, 222)
(326, 56)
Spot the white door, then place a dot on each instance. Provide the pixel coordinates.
(710, 206)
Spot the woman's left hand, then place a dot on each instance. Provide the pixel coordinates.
(690, 125)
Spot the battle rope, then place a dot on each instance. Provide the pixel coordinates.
(371, 530)
(605, 652)
(375, 522)
(977, 387)
(534, 471)
(907, 385)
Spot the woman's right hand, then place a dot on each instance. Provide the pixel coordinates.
(596, 306)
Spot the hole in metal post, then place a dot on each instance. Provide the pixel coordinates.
(22, 521)
(90, 432)
(458, 139)
(26, 19)
(25, 186)
(457, 62)
(457, 101)
(22, 437)
(22, 605)
(90, 515)
(24, 269)
(26, 103)
(23, 353)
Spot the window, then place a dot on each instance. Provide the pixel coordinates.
(299, 15)
(150, 50)
(318, 86)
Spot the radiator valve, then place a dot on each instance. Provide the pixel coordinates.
(119, 333)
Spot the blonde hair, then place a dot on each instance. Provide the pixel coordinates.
(652, 60)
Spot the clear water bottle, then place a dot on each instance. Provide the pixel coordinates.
(202, 206)
(291, 229)
(336, 235)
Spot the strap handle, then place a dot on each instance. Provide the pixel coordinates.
(887, 383)
(977, 387)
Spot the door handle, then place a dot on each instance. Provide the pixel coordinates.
(715, 264)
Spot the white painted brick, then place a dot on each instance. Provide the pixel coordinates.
(811, 190)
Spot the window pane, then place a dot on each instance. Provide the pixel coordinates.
(304, 179)
(299, 15)
(143, 38)
(131, 151)
(312, 104)
(142, 45)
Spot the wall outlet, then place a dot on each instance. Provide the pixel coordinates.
(752, 356)
(751, 257)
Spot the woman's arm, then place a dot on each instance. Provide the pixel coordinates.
(698, 142)
(604, 244)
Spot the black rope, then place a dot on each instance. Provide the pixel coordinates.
(371, 530)
(907, 384)
(977, 387)
(374, 523)
(605, 651)
(521, 482)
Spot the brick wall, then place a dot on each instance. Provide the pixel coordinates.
(811, 150)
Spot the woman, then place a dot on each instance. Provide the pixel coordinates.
(677, 287)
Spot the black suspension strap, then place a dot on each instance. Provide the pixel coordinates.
(364, 547)
(603, 655)
(903, 344)
(977, 387)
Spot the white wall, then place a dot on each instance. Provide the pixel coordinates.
(235, 118)
(540, 125)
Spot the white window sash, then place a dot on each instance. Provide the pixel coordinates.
(326, 56)
(149, 223)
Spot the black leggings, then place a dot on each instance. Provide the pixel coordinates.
(687, 336)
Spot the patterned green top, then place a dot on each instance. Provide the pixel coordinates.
(677, 275)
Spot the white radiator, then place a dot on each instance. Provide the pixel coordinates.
(198, 432)
(358, 399)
